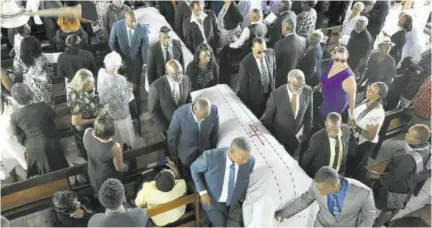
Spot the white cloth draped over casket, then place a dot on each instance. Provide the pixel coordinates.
(277, 179)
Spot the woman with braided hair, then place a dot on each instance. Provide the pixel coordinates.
(368, 118)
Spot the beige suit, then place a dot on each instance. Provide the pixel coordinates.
(358, 208)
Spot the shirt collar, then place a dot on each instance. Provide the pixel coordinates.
(193, 114)
(255, 22)
(229, 162)
(256, 59)
(120, 210)
(163, 47)
(127, 27)
(171, 82)
(201, 16)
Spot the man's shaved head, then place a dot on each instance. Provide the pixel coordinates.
(174, 70)
(421, 132)
(131, 19)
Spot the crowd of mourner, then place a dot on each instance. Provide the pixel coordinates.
(313, 111)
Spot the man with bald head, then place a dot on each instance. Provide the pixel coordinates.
(288, 51)
(168, 93)
(359, 46)
(310, 63)
(256, 29)
(288, 114)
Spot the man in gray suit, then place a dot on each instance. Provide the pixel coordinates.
(112, 197)
(288, 114)
(221, 177)
(193, 129)
(342, 201)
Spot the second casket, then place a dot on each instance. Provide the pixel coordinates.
(277, 179)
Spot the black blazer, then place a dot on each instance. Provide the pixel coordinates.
(275, 30)
(68, 64)
(310, 64)
(191, 72)
(288, 52)
(233, 17)
(377, 17)
(168, 11)
(192, 33)
(181, 13)
(278, 117)
(156, 60)
(318, 153)
(161, 103)
(248, 85)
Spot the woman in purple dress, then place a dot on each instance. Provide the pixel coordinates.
(338, 85)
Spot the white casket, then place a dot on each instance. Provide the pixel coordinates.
(277, 179)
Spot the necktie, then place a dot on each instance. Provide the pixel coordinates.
(130, 37)
(167, 54)
(336, 207)
(264, 76)
(231, 184)
(294, 104)
(176, 93)
(336, 156)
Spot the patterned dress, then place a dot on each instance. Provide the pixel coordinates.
(227, 36)
(101, 8)
(37, 77)
(204, 78)
(83, 103)
(306, 21)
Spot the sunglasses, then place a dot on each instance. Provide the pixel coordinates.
(339, 60)
(262, 52)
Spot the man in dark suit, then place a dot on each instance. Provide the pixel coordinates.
(161, 52)
(256, 79)
(310, 63)
(201, 27)
(288, 114)
(359, 46)
(221, 177)
(168, 93)
(193, 129)
(288, 51)
(275, 29)
(377, 17)
(167, 9)
(327, 147)
(181, 14)
(131, 41)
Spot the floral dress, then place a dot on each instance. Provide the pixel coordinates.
(306, 21)
(227, 36)
(83, 103)
(101, 8)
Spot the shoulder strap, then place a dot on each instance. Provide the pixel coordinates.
(419, 162)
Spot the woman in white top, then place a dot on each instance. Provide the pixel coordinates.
(368, 118)
(350, 21)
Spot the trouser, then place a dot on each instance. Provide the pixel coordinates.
(79, 134)
(384, 217)
(356, 165)
(291, 145)
(221, 215)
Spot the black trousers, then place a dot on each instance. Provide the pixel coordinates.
(357, 163)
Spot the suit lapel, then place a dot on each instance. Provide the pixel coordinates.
(288, 102)
(302, 107)
(269, 72)
(350, 194)
(161, 57)
(183, 95)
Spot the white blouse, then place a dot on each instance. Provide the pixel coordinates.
(374, 117)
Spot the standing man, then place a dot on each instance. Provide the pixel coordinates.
(327, 147)
(161, 52)
(201, 27)
(359, 46)
(115, 11)
(256, 29)
(181, 14)
(193, 129)
(310, 63)
(256, 79)
(221, 177)
(284, 12)
(288, 114)
(342, 201)
(246, 6)
(288, 51)
(168, 93)
(130, 39)
(377, 17)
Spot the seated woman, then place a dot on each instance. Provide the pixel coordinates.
(74, 58)
(68, 26)
(34, 69)
(115, 92)
(84, 105)
(105, 156)
(164, 189)
(67, 211)
(33, 125)
(203, 71)
(368, 118)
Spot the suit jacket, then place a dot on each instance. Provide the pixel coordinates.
(318, 153)
(208, 173)
(310, 64)
(248, 85)
(136, 217)
(275, 30)
(156, 61)
(278, 117)
(288, 52)
(161, 103)
(233, 17)
(185, 140)
(377, 17)
(192, 34)
(167, 10)
(181, 14)
(358, 209)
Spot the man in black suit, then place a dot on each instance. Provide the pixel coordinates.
(161, 52)
(201, 27)
(377, 17)
(167, 9)
(256, 79)
(310, 63)
(168, 93)
(181, 14)
(327, 147)
(288, 114)
(359, 46)
(275, 30)
(288, 51)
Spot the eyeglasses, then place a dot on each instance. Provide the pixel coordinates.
(339, 60)
(262, 52)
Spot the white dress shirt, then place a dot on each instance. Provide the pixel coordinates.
(175, 88)
(243, 37)
(290, 95)
(170, 50)
(258, 61)
(201, 16)
(128, 30)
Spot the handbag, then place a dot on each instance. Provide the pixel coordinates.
(397, 200)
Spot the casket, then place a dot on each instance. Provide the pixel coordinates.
(277, 179)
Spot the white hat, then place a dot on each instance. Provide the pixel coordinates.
(12, 15)
(386, 40)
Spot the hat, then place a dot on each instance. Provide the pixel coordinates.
(385, 40)
(12, 15)
(165, 180)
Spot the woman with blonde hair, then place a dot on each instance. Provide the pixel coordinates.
(115, 93)
(83, 103)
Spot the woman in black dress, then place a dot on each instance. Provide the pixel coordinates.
(399, 38)
(33, 125)
(203, 70)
